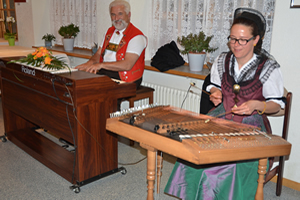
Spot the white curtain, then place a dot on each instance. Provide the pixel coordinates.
(173, 18)
(79, 12)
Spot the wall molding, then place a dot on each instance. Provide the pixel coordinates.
(288, 183)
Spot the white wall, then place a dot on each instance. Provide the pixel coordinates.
(41, 18)
(285, 48)
(33, 22)
(25, 24)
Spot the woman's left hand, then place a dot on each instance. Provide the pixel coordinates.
(246, 108)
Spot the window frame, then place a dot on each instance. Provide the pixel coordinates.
(9, 11)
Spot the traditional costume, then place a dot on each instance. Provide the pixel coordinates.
(259, 79)
(116, 44)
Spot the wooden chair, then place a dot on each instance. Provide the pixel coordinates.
(142, 92)
(278, 170)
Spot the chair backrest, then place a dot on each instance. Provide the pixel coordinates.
(278, 170)
(287, 110)
(285, 113)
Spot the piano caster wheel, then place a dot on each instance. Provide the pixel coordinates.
(75, 188)
(3, 139)
(123, 170)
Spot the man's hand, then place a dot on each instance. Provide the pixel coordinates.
(94, 68)
(83, 66)
(93, 60)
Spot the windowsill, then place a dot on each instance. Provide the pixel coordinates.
(180, 71)
(77, 52)
(183, 70)
(5, 42)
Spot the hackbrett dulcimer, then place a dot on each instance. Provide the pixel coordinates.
(199, 139)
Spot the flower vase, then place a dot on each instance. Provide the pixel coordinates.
(196, 61)
(11, 41)
(68, 44)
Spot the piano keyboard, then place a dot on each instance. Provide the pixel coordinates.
(52, 71)
(62, 71)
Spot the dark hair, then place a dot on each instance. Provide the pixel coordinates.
(254, 31)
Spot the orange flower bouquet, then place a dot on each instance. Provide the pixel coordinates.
(43, 58)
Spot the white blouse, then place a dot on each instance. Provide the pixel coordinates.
(272, 88)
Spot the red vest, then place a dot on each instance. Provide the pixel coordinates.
(137, 70)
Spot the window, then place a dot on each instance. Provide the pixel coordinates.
(79, 12)
(7, 9)
(174, 18)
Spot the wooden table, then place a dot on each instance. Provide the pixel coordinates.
(188, 150)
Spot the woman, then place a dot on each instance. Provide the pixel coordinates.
(246, 84)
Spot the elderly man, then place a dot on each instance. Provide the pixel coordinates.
(122, 53)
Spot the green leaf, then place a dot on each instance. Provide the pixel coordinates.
(196, 43)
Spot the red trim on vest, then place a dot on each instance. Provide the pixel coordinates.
(137, 70)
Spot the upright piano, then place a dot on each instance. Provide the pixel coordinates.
(70, 106)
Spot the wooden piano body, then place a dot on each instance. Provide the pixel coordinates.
(200, 150)
(72, 106)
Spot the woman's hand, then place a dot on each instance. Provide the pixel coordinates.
(249, 107)
(216, 96)
(246, 108)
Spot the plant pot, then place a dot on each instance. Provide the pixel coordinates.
(68, 44)
(48, 43)
(11, 41)
(196, 61)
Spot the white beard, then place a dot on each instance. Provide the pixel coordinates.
(119, 26)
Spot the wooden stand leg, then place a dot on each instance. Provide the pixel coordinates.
(159, 167)
(262, 170)
(150, 173)
(131, 105)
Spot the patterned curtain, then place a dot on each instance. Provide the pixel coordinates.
(174, 18)
(79, 12)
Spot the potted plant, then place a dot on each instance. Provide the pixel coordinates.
(68, 32)
(48, 39)
(9, 35)
(196, 46)
(11, 38)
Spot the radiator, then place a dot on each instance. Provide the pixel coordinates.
(174, 97)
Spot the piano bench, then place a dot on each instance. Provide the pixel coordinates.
(142, 92)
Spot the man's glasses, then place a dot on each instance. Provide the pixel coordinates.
(240, 41)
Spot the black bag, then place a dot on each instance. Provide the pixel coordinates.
(167, 57)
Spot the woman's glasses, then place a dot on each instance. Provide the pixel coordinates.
(242, 42)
